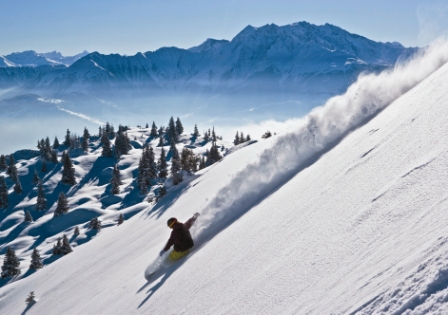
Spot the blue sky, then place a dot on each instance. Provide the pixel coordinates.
(127, 27)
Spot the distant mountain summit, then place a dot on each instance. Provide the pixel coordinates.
(30, 58)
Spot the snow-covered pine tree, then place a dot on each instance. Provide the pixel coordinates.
(146, 126)
(173, 136)
(122, 143)
(57, 247)
(237, 139)
(162, 165)
(188, 160)
(30, 299)
(152, 165)
(213, 155)
(179, 127)
(67, 141)
(65, 247)
(116, 181)
(63, 155)
(4, 202)
(68, 173)
(242, 139)
(28, 217)
(161, 131)
(44, 169)
(202, 164)
(54, 157)
(12, 169)
(76, 231)
(176, 166)
(3, 165)
(206, 137)
(162, 192)
(55, 143)
(36, 177)
(36, 260)
(160, 141)
(213, 135)
(154, 133)
(95, 223)
(142, 177)
(85, 139)
(62, 206)
(10, 264)
(195, 132)
(107, 151)
(41, 202)
(248, 138)
(18, 187)
(120, 219)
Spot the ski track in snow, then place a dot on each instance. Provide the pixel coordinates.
(316, 134)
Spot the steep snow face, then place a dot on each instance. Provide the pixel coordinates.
(345, 215)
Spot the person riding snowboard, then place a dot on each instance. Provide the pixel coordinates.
(180, 237)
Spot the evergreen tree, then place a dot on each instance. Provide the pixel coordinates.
(179, 127)
(152, 170)
(188, 160)
(142, 177)
(175, 164)
(18, 187)
(62, 206)
(146, 126)
(55, 143)
(36, 177)
(195, 132)
(28, 217)
(153, 132)
(213, 135)
(57, 247)
(107, 151)
(206, 137)
(248, 138)
(3, 165)
(54, 157)
(95, 223)
(120, 219)
(3, 193)
(36, 260)
(76, 231)
(30, 299)
(242, 139)
(162, 192)
(237, 139)
(162, 165)
(100, 132)
(202, 164)
(12, 169)
(67, 141)
(10, 264)
(160, 141)
(122, 143)
(85, 139)
(41, 202)
(68, 173)
(65, 247)
(173, 136)
(116, 181)
(44, 169)
(63, 155)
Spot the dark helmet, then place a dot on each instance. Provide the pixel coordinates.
(171, 222)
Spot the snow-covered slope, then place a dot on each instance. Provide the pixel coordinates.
(345, 215)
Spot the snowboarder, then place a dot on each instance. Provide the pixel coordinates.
(180, 237)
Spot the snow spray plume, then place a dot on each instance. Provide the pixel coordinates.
(319, 132)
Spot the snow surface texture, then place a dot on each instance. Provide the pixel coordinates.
(350, 219)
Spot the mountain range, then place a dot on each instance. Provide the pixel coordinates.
(299, 58)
